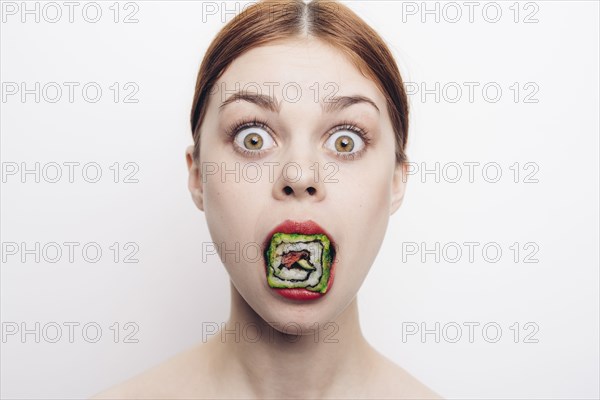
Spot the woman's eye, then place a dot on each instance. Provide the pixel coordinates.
(254, 139)
(345, 141)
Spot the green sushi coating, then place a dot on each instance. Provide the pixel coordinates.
(326, 258)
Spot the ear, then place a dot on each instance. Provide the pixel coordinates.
(398, 186)
(194, 178)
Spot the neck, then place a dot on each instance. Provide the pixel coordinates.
(274, 364)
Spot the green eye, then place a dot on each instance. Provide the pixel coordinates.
(344, 144)
(345, 141)
(254, 139)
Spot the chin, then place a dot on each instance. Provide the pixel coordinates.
(301, 319)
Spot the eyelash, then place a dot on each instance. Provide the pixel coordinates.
(232, 130)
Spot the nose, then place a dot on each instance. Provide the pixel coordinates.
(300, 180)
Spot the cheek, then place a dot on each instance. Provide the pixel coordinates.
(373, 209)
(363, 203)
(227, 204)
(363, 193)
(232, 206)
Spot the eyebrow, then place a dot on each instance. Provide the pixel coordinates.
(341, 102)
(260, 100)
(333, 104)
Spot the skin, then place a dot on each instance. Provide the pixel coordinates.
(355, 210)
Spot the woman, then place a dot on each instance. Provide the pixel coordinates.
(307, 102)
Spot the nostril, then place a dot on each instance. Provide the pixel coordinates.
(288, 190)
(311, 190)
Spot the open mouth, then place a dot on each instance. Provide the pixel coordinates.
(299, 258)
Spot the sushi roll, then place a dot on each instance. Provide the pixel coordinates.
(299, 261)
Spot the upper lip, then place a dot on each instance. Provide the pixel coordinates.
(308, 227)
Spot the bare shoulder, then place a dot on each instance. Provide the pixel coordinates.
(180, 376)
(394, 382)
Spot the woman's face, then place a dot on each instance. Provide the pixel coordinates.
(299, 155)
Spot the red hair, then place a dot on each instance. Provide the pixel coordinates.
(330, 21)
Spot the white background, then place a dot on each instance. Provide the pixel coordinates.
(168, 294)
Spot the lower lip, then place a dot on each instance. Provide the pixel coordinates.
(298, 294)
(305, 295)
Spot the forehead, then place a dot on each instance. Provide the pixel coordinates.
(300, 62)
